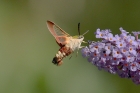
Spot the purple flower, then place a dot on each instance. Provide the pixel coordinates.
(99, 34)
(132, 50)
(136, 34)
(138, 65)
(130, 58)
(131, 40)
(123, 31)
(133, 66)
(124, 50)
(117, 38)
(115, 61)
(117, 54)
(110, 37)
(85, 52)
(108, 48)
(125, 66)
(121, 44)
(96, 46)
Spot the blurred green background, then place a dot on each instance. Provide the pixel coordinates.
(27, 47)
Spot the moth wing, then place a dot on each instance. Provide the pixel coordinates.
(60, 35)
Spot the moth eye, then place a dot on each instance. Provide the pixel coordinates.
(80, 37)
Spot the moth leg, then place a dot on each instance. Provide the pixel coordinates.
(70, 57)
(78, 50)
(81, 47)
(77, 53)
(84, 41)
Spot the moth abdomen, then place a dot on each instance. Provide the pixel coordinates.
(63, 52)
(57, 61)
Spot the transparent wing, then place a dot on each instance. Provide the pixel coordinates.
(60, 35)
(59, 31)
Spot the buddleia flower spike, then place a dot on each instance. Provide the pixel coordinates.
(117, 54)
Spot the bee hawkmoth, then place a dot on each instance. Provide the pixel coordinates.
(67, 43)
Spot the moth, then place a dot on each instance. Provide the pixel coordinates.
(68, 44)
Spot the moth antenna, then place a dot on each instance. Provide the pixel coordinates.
(86, 32)
(79, 28)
